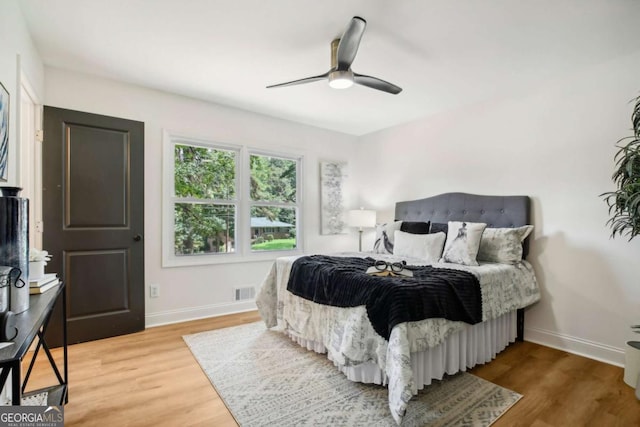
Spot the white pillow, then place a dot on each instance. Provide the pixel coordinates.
(503, 245)
(427, 247)
(385, 237)
(463, 242)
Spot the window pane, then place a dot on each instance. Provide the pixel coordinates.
(204, 173)
(273, 228)
(202, 228)
(273, 179)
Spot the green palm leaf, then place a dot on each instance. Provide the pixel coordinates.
(624, 202)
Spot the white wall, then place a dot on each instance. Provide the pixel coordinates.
(192, 292)
(555, 144)
(17, 54)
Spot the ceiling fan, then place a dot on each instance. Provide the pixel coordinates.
(343, 52)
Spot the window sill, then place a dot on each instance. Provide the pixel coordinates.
(200, 260)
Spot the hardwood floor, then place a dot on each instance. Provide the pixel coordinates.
(151, 379)
(561, 389)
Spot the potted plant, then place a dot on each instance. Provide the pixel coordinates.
(624, 202)
(624, 212)
(37, 260)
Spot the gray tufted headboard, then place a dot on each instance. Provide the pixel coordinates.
(495, 211)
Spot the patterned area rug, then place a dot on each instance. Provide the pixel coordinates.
(266, 379)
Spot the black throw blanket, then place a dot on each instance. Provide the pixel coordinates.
(431, 292)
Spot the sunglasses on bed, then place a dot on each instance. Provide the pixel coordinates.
(396, 267)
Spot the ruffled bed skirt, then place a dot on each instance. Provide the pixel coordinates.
(473, 345)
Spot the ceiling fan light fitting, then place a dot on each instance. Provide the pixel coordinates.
(341, 79)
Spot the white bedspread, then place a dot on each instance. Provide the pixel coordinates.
(350, 339)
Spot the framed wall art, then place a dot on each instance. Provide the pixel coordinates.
(4, 132)
(332, 197)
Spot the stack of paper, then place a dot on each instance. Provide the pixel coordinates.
(43, 284)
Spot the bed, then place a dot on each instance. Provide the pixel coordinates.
(416, 352)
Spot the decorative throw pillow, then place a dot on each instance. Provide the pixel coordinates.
(463, 242)
(385, 236)
(503, 245)
(415, 227)
(427, 247)
(439, 227)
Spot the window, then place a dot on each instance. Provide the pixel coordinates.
(205, 203)
(273, 194)
(225, 203)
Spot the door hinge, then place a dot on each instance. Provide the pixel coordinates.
(40, 135)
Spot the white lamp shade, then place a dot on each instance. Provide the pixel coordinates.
(362, 218)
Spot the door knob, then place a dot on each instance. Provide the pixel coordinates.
(137, 237)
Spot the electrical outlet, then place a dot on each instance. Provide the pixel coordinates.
(154, 290)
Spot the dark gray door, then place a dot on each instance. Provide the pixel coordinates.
(93, 214)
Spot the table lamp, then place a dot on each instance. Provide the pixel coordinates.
(361, 218)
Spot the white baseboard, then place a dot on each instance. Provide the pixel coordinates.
(195, 313)
(581, 347)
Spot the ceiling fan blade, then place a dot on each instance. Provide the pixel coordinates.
(349, 43)
(376, 83)
(301, 81)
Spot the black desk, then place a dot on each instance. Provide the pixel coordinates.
(33, 323)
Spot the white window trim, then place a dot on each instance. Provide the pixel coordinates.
(243, 252)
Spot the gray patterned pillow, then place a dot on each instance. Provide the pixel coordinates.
(463, 242)
(503, 245)
(384, 237)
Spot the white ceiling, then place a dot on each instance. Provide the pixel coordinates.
(443, 53)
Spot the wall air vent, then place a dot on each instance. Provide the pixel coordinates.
(248, 292)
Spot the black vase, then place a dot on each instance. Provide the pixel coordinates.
(14, 244)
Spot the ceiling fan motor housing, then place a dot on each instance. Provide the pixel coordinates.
(340, 79)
